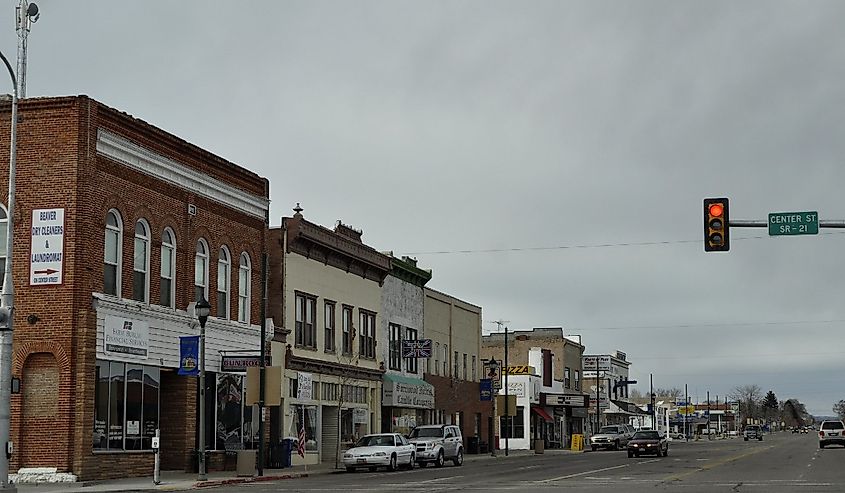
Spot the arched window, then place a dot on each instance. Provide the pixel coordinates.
(201, 271)
(141, 264)
(112, 253)
(167, 289)
(224, 279)
(4, 220)
(244, 288)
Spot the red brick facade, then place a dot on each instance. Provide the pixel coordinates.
(55, 338)
(462, 397)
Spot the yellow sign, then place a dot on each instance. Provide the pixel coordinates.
(519, 370)
(577, 442)
(686, 410)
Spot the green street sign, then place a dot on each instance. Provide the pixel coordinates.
(793, 223)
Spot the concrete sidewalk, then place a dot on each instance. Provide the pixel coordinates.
(180, 481)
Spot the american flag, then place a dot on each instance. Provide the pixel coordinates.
(300, 446)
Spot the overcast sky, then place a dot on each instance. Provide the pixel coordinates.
(574, 139)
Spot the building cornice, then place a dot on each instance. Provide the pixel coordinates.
(128, 153)
(301, 363)
(408, 272)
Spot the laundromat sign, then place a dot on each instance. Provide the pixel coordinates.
(47, 247)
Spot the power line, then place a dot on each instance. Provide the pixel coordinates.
(594, 245)
(716, 325)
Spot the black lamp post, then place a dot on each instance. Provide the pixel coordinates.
(202, 309)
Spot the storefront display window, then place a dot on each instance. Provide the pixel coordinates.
(126, 406)
(517, 425)
(354, 423)
(234, 420)
(308, 414)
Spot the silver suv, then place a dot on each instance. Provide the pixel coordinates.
(438, 443)
(752, 432)
(612, 437)
(831, 432)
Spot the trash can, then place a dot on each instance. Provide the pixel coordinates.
(472, 445)
(246, 463)
(287, 448)
(539, 446)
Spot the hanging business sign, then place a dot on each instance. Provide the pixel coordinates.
(230, 363)
(412, 348)
(123, 336)
(47, 247)
(492, 370)
(189, 355)
(566, 400)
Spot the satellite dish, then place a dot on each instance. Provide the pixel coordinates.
(32, 11)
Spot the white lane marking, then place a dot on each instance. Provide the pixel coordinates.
(447, 478)
(650, 461)
(582, 473)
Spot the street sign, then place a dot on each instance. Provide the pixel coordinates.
(793, 223)
(416, 348)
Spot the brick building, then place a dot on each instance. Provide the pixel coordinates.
(145, 223)
(454, 326)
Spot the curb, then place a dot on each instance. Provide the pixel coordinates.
(257, 479)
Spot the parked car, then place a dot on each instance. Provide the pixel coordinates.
(752, 432)
(831, 432)
(436, 444)
(611, 437)
(381, 450)
(648, 442)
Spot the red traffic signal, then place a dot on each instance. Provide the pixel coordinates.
(716, 225)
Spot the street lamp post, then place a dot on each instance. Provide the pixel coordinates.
(202, 310)
(7, 302)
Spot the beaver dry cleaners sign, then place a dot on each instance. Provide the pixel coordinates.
(122, 336)
(47, 247)
(407, 392)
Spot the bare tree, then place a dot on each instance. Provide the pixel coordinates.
(671, 394)
(839, 409)
(750, 398)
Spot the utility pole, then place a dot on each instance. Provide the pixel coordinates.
(7, 303)
(651, 396)
(686, 416)
(26, 14)
(708, 416)
(503, 323)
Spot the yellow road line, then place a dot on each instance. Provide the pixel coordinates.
(722, 462)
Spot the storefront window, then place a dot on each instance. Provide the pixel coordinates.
(354, 423)
(234, 419)
(517, 425)
(308, 415)
(126, 410)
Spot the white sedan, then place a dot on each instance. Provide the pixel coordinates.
(384, 449)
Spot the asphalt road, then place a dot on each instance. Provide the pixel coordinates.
(781, 463)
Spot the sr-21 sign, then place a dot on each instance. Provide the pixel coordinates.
(416, 348)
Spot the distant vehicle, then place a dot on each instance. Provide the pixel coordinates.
(831, 432)
(677, 436)
(732, 433)
(381, 450)
(436, 444)
(611, 437)
(751, 432)
(648, 442)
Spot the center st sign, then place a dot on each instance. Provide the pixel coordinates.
(793, 223)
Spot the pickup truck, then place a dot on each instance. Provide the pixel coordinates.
(751, 432)
(613, 437)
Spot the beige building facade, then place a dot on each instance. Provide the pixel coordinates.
(331, 287)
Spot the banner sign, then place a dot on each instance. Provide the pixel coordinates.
(486, 389)
(416, 348)
(304, 385)
(189, 355)
(234, 363)
(47, 247)
(126, 336)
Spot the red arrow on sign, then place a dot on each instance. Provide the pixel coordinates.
(46, 271)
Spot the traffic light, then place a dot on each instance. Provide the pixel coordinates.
(716, 226)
